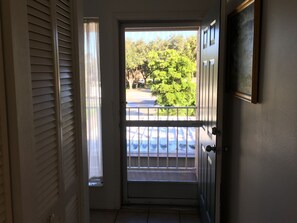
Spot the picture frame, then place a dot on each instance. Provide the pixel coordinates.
(243, 50)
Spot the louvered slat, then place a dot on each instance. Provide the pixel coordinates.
(36, 12)
(64, 30)
(44, 53)
(39, 60)
(44, 106)
(50, 181)
(39, 29)
(46, 143)
(45, 149)
(65, 63)
(68, 114)
(72, 211)
(45, 128)
(40, 22)
(42, 68)
(48, 118)
(44, 98)
(48, 198)
(63, 20)
(42, 84)
(42, 91)
(43, 77)
(65, 57)
(65, 44)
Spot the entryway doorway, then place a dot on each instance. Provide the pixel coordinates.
(159, 113)
(151, 142)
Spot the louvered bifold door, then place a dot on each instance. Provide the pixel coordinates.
(68, 109)
(47, 157)
(56, 178)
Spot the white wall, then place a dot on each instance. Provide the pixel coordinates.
(260, 169)
(109, 13)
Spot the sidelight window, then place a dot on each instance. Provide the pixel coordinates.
(93, 102)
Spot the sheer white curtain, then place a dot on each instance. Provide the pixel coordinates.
(93, 101)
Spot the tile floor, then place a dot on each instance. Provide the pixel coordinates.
(146, 215)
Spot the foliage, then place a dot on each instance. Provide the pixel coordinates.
(172, 74)
(137, 54)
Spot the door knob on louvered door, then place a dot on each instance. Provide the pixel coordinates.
(52, 218)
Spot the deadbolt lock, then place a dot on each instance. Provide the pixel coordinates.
(215, 131)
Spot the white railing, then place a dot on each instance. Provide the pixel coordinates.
(160, 147)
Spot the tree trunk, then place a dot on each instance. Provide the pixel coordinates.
(130, 81)
(130, 78)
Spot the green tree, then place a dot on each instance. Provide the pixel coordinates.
(172, 73)
(136, 53)
(190, 48)
(137, 59)
(186, 46)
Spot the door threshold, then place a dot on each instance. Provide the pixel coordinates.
(160, 207)
(185, 176)
(159, 203)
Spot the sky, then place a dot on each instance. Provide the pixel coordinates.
(152, 35)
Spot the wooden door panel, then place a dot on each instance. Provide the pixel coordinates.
(203, 99)
(212, 100)
(208, 189)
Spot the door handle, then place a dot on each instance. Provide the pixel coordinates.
(52, 218)
(214, 149)
(211, 148)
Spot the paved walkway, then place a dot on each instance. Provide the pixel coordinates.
(140, 97)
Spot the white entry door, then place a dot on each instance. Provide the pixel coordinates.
(208, 110)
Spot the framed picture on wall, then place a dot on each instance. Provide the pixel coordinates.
(243, 50)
